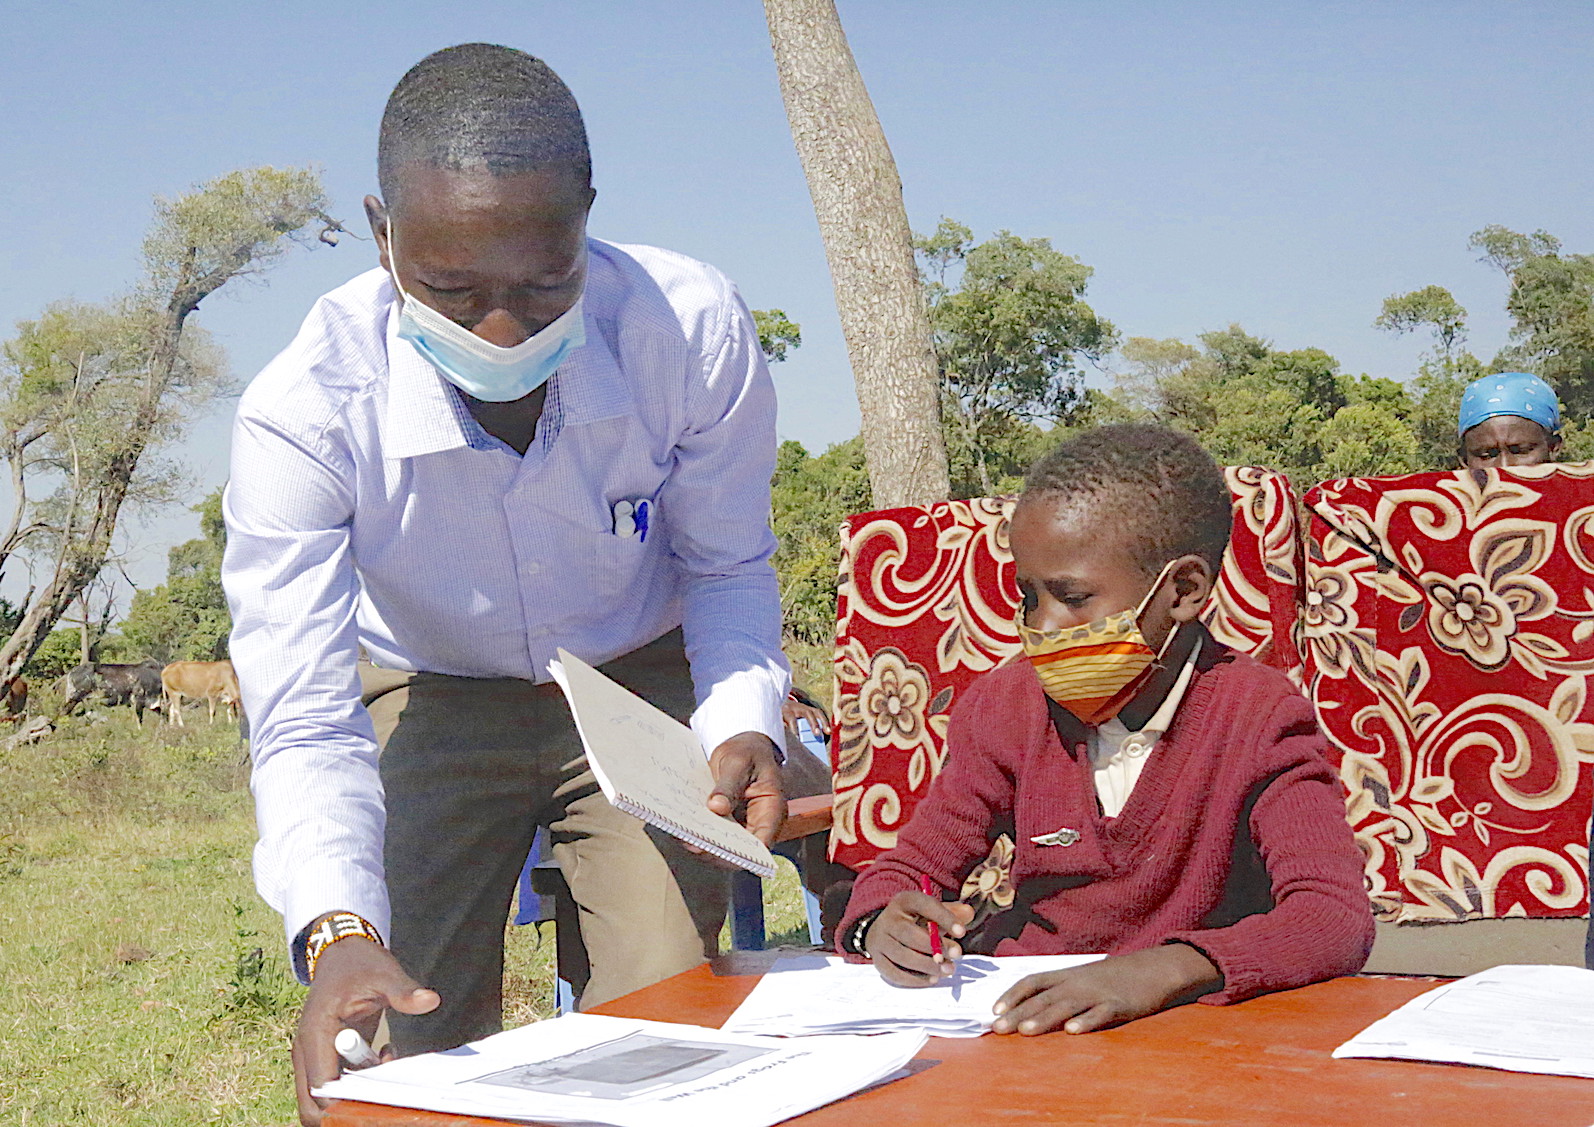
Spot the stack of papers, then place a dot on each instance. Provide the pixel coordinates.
(585, 1068)
(814, 994)
(1517, 1018)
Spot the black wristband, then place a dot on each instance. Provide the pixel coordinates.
(852, 939)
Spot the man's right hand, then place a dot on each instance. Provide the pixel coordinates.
(898, 942)
(355, 981)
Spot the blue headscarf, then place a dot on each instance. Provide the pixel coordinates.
(1509, 393)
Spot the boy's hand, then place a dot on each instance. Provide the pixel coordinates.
(794, 710)
(1115, 990)
(898, 942)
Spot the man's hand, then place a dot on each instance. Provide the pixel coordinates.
(355, 980)
(898, 942)
(747, 784)
(1115, 990)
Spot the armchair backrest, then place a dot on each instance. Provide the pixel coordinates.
(1447, 634)
(925, 604)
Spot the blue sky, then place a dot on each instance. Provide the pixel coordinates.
(1283, 165)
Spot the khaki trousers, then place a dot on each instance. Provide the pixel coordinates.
(470, 768)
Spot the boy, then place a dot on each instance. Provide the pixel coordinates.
(1167, 797)
(1508, 419)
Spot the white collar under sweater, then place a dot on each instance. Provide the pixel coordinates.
(1118, 755)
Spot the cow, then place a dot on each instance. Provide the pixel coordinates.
(138, 685)
(210, 681)
(16, 702)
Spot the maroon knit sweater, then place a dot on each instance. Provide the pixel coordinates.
(1234, 839)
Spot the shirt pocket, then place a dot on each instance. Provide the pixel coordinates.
(622, 564)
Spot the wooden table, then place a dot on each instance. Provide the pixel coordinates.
(1263, 1063)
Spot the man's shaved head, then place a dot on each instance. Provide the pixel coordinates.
(481, 107)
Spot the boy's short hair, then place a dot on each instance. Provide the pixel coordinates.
(1154, 485)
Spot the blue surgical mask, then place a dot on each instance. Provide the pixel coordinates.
(478, 367)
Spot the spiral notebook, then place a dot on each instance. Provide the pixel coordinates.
(651, 765)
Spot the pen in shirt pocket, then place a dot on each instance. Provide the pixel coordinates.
(633, 518)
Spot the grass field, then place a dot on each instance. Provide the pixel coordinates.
(142, 983)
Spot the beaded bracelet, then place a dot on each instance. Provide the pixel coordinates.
(852, 940)
(339, 925)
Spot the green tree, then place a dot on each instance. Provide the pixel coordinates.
(90, 395)
(1552, 311)
(1367, 438)
(1432, 307)
(185, 618)
(777, 333)
(1442, 375)
(1010, 327)
(1153, 375)
(62, 650)
(59, 652)
(1290, 410)
(1246, 403)
(810, 498)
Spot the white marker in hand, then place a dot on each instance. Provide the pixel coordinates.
(354, 1050)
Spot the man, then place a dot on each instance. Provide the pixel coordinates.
(507, 439)
(1508, 419)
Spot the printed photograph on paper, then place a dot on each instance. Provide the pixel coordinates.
(630, 1066)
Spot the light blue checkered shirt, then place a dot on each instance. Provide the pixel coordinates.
(366, 507)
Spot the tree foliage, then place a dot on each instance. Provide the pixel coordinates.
(1250, 403)
(1432, 307)
(1552, 312)
(185, 618)
(1010, 326)
(90, 395)
(811, 496)
(62, 650)
(777, 333)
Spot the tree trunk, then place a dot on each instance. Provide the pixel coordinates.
(857, 196)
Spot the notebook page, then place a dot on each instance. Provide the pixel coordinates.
(651, 765)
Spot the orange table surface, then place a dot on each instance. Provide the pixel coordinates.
(1262, 1063)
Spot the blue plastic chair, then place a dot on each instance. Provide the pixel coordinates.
(544, 897)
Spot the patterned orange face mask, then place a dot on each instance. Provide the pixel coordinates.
(1095, 669)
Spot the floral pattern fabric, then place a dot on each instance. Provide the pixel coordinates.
(925, 603)
(1447, 631)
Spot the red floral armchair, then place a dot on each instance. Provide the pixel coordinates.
(1447, 632)
(925, 604)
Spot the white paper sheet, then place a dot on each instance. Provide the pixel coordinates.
(586, 1068)
(651, 765)
(1517, 1018)
(807, 995)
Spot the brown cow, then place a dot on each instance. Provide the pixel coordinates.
(210, 681)
(16, 702)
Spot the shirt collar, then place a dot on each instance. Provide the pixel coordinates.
(591, 384)
(1162, 719)
(420, 417)
(424, 412)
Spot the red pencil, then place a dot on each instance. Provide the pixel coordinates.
(926, 887)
